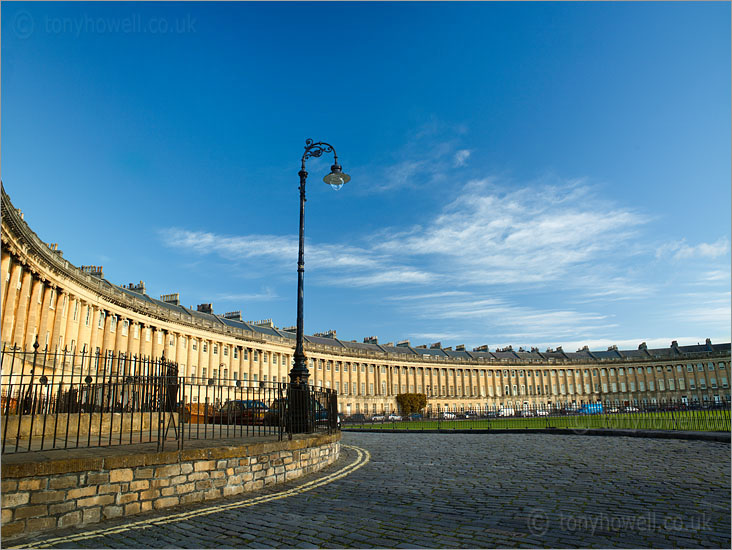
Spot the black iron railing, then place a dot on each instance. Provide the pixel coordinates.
(59, 400)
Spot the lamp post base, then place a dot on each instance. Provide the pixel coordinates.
(299, 414)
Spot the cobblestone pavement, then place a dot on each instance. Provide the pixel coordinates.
(466, 491)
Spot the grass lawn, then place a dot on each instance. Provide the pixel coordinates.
(700, 420)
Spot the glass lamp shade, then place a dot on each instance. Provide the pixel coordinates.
(336, 179)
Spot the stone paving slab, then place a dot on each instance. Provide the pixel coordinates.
(470, 491)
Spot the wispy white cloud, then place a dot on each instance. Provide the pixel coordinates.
(430, 295)
(490, 236)
(679, 250)
(477, 260)
(330, 264)
(705, 308)
(266, 294)
(497, 318)
(234, 248)
(599, 286)
(715, 276)
(430, 155)
(271, 247)
(461, 157)
(403, 276)
(485, 237)
(707, 315)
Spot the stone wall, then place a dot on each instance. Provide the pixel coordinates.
(68, 425)
(51, 494)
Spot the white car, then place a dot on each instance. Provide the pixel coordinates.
(447, 415)
(542, 412)
(378, 418)
(393, 417)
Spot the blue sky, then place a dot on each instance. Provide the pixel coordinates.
(533, 174)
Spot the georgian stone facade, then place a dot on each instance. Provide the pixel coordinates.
(46, 298)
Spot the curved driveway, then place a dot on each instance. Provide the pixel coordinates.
(462, 491)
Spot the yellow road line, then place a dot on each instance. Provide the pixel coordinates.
(362, 458)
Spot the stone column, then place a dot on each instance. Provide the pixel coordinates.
(34, 312)
(45, 326)
(158, 342)
(96, 333)
(84, 334)
(108, 336)
(133, 344)
(5, 265)
(21, 312)
(250, 365)
(9, 302)
(71, 331)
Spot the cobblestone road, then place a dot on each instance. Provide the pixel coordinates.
(465, 491)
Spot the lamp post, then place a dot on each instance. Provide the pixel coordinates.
(336, 179)
(299, 407)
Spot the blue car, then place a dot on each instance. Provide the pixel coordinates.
(591, 408)
(321, 414)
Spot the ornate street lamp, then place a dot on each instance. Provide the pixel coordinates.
(336, 179)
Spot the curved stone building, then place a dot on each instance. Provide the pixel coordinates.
(46, 298)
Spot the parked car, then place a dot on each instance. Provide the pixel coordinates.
(276, 412)
(527, 413)
(322, 415)
(358, 417)
(447, 415)
(542, 412)
(414, 416)
(393, 417)
(591, 408)
(631, 409)
(470, 415)
(378, 418)
(506, 411)
(239, 412)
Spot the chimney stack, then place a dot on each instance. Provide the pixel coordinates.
(93, 270)
(171, 299)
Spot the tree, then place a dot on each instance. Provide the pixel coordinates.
(411, 402)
